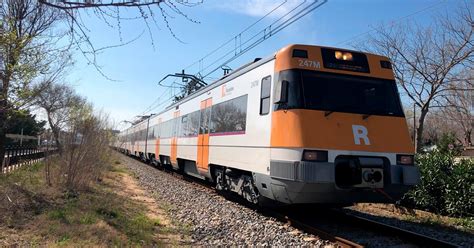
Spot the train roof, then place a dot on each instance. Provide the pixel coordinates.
(237, 72)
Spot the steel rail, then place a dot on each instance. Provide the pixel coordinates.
(389, 230)
(416, 238)
(341, 242)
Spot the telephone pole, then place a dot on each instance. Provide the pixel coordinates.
(414, 126)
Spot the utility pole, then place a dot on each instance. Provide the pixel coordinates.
(414, 126)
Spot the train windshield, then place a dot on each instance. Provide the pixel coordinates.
(341, 93)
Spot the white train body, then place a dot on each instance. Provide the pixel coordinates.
(244, 143)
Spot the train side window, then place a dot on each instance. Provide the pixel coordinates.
(265, 95)
(151, 132)
(183, 131)
(157, 131)
(193, 127)
(229, 117)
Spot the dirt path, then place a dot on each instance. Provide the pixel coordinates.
(115, 211)
(126, 185)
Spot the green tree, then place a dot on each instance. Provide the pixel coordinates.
(59, 101)
(27, 49)
(448, 144)
(427, 59)
(23, 119)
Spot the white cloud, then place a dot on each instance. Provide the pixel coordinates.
(258, 8)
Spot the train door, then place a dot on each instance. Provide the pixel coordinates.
(174, 139)
(203, 136)
(157, 143)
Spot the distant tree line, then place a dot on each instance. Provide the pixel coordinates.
(433, 66)
(37, 38)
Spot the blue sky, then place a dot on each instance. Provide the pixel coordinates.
(140, 65)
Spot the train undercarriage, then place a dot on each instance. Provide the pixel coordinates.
(351, 183)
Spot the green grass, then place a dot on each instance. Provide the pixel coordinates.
(75, 220)
(28, 176)
(124, 215)
(130, 220)
(120, 169)
(466, 223)
(58, 214)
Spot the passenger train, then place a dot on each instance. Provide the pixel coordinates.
(309, 124)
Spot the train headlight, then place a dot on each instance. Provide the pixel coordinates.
(403, 159)
(315, 156)
(343, 55)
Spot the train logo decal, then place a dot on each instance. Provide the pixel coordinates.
(360, 133)
(225, 91)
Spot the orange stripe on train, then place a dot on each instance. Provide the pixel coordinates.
(284, 61)
(339, 131)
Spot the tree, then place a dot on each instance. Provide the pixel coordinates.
(24, 122)
(112, 13)
(426, 59)
(58, 101)
(26, 41)
(459, 109)
(33, 36)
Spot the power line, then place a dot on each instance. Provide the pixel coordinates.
(156, 101)
(240, 47)
(392, 22)
(281, 23)
(235, 37)
(170, 88)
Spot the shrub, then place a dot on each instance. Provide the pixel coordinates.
(448, 144)
(446, 187)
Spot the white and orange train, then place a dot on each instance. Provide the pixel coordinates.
(309, 124)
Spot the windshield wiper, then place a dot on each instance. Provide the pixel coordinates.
(328, 113)
(364, 117)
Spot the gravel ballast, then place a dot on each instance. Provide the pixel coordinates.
(449, 234)
(211, 218)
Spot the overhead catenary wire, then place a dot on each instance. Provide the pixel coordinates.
(151, 107)
(233, 38)
(281, 23)
(156, 102)
(291, 16)
(392, 23)
(245, 42)
(288, 18)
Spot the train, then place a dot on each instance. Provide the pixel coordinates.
(307, 125)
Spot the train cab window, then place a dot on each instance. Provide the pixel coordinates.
(265, 95)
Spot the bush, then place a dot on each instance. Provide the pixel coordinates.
(446, 187)
(448, 144)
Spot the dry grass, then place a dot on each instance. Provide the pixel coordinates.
(414, 215)
(112, 212)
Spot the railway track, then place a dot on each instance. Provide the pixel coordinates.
(314, 226)
(340, 241)
(416, 238)
(350, 220)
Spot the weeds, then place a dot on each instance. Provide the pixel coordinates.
(446, 187)
(119, 169)
(98, 215)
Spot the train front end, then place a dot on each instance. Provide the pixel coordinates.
(339, 134)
